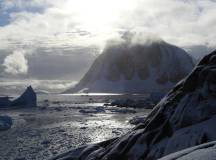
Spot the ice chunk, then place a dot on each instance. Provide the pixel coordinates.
(5, 123)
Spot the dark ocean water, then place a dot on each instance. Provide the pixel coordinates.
(58, 125)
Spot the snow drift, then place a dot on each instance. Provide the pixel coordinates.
(126, 67)
(185, 117)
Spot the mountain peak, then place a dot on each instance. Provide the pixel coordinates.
(136, 68)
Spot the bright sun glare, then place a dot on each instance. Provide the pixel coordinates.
(94, 14)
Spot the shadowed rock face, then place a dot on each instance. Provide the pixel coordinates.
(28, 99)
(158, 62)
(185, 117)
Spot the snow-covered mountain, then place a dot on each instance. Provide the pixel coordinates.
(185, 117)
(134, 68)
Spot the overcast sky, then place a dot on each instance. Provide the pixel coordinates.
(59, 39)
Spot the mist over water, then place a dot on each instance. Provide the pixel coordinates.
(16, 87)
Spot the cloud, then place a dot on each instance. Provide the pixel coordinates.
(16, 63)
(136, 37)
(70, 23)
(184, 23)
(50, 63)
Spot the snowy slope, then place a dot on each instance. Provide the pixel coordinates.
(185, 117)
(206, 151)
(124, 67)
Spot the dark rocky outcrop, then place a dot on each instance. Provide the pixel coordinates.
(185, 117)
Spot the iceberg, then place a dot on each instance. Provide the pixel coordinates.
(27, 99)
